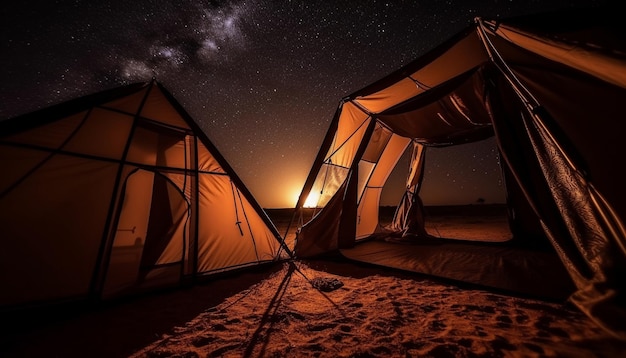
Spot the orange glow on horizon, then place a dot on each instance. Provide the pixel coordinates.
(310, 202)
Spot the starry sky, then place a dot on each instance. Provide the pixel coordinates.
(262, 78)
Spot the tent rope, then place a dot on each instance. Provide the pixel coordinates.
(237, 221)
(419, 84)
(245, 215)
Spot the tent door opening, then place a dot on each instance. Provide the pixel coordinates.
(151, 236)
(467, 205)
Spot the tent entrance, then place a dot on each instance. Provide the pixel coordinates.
(460, 193)
(150, 240)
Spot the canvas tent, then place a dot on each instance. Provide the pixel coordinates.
(115, 193)
(550, 88)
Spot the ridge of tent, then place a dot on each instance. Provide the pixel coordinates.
(60, 110)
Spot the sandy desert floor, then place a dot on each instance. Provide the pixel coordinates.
(317, 309)
(314, 308)
(379, 314)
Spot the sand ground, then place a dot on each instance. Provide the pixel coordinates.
(314, 308)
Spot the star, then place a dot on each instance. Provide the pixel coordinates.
(262, 78)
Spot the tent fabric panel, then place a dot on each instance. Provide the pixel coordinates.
(389, 158)
(390, 96)
(129, 232)
(158, 108)
(168, 218)
(329, 180)
(135, 201)
(580, 230)
(321, 234)
(418, 157)
(597, 239)
(365, 171)
(155, 209)
(102, 134)
(430, 75)
(589, 57)
(409, 215)
(447, 65)
(161, 276)
(367, 219)
(511, 125)
(583, 109)
(231, 232)
(457, 114)
(206, 161)
(21, 161)
(55, 220)
(369, 202)
(530, 272)
(162, 148)
(50, 135)
(525, 227)
(352, 125)
(130, 103)
(377, 143)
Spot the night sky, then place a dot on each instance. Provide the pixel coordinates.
(262, 78)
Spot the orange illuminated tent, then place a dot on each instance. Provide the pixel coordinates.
(550, 89)
(116, 193)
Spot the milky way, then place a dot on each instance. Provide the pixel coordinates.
(262, 78)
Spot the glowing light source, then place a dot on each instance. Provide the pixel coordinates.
(312, 200)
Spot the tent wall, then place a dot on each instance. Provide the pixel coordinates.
(383, 161)
(565, 119)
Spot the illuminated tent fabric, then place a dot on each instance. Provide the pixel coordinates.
(551, 89)
(115, 193)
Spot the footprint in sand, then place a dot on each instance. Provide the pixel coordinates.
(219, 352)
(500, 344)
(504, 321)
(545, 330)
(321, 327)
(535, 348)
(438, 325)
(521, 317)
(480, 331)
(201, 341)
(219, 327)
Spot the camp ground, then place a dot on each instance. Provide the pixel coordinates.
(549, 93)
(121, 192)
